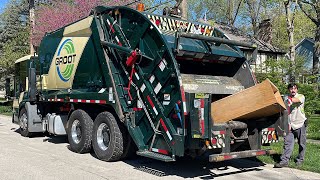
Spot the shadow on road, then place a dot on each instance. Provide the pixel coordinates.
(56, 139)
(200, 167)
(183, 167)
(47, 137)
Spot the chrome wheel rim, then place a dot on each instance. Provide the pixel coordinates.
(103, 136)
(76, 131)
(24, 121)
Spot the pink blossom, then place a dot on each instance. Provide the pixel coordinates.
(52, 17)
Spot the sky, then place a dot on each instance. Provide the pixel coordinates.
(3, 4)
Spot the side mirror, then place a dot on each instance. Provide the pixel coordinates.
(32, 88)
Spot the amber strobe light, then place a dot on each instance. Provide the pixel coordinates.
(140, 7)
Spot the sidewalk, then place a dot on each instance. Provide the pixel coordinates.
(313, 141)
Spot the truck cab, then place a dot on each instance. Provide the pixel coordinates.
(20, 82)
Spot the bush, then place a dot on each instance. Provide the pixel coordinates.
(311, 92)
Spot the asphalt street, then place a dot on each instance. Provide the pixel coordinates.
(44, 157)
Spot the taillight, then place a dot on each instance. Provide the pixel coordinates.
(214, 141)
(218, 139)
(269, 135)
(158, 22)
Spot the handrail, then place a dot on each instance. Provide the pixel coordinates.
(217, 40)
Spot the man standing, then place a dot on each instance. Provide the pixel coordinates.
(297, 127)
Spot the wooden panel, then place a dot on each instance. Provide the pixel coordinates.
(261, 100)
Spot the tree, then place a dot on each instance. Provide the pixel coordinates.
(311, 8)
(14, 49)
(290, 8)
(303, 27)
(254, 8)
(14, 34)
(57, 14)
(257, 11)
(243, 14)
(225, 11)
(13, 19)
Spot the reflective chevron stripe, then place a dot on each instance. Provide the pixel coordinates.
(165, 129)
(152, 105)
(161, 151)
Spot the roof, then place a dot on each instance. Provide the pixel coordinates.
(303, 40)
(24, 58)
(305, 49)
(235, 34)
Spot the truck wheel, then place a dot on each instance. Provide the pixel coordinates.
(23, 122)
(80, 131)
(107, 139)
(129, 147)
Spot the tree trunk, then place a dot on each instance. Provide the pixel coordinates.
(184, 8)
(32, 22)
(229, 12)
(290, 31)
(254, 27)
(253, 13)
(316, 52)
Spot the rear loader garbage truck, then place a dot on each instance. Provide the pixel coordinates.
(125, 82)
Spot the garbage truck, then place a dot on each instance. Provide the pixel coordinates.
(124, 82)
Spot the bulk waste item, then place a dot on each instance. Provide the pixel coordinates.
(261, 100)
(124, 82)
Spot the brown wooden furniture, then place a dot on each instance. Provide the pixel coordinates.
(259, 101)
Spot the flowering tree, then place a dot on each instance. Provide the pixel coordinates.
(58, 13)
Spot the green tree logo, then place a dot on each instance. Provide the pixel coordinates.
(65, 60)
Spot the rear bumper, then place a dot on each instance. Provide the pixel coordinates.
(241, 154)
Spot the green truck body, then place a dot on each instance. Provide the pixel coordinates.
(124, 82)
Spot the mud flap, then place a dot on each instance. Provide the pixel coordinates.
(34, 119)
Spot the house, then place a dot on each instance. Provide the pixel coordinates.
(304, 49)
(265, 49)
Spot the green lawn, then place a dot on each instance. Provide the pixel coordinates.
(312, 157)
(313, 131)
(6, 110)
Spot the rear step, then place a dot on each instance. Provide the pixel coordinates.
(156, 156)
(241, 154)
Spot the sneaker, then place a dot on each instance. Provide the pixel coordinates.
(281, 165)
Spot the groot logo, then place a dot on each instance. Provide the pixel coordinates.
(65, 60)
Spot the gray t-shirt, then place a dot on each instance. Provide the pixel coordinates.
(297, 115)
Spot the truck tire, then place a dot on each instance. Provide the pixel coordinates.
(129, 147)
(107, 139)
(23, 123)
(80, 127)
